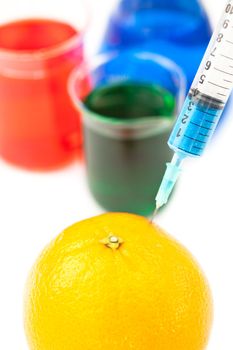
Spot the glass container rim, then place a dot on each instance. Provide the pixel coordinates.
(163, 61)
(53, 50)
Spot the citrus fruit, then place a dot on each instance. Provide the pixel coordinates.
(117, 282)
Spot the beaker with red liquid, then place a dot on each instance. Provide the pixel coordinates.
(39, 127)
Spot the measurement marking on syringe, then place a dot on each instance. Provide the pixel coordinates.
(198, 148)
(228, 81)
(220, 86)
(191, 138)
(206, 135)
(203, 127)
(229, 58)
(223, 71)
(213, 115)
(185, 150)
(218, 93)
(209, 121)
(230, 42)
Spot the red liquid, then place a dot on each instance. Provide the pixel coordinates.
(39, 127)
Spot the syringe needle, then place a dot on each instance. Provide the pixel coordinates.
(169, 180)
(154, 214)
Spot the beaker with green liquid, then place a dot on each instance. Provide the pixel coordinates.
(127, 120)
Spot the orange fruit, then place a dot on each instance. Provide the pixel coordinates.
(117, 282)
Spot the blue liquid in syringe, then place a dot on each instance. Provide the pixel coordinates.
(195, 125)
(193, 129)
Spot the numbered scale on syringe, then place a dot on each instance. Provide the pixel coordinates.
(208, 94)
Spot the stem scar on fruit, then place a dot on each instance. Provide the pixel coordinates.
(112, 242)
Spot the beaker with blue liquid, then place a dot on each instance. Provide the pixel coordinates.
(177, 29)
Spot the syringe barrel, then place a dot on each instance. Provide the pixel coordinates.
(195, 126)
(209, 93)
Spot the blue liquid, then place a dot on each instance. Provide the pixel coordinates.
(194, 127)
(192, 6)
(177, 29)
(158, 24)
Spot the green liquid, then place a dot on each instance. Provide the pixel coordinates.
(124, 174)
(130, 101)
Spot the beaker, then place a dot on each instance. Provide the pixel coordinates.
(128, 117)
(40, 44)
(177, 29)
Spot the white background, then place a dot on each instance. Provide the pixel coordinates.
(35, 207)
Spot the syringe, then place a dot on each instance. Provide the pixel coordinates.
(204, 104)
